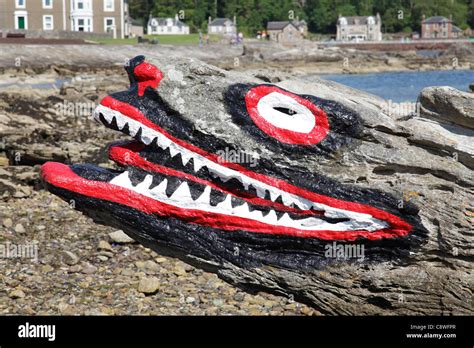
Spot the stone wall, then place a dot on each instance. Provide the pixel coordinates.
(55, 34)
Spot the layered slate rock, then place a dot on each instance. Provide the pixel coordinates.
(307, 189)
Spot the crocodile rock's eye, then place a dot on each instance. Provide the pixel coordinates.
(285, 116)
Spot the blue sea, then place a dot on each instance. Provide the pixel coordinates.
(404, 86)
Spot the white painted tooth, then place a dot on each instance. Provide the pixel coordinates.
(244, 182)
(261, 192)
(205, 196)
(226, 203)
(256, 214)
(133, 127)
(161, 188)
(173, 150)
(120, 122)
(271, 217)
(303, 203)
(274, 195)
(287, 200)
(122, 180)
(147, 135)
(182, 193)
(243, 209)
(185, 157)
(198, 164)
(286, 219)
(145, 184)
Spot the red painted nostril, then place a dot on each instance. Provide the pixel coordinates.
(147, 75)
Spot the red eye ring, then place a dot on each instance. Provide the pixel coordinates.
(313, 136)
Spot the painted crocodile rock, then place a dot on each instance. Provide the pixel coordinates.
(223, 194)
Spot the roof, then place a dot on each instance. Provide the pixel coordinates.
(137, 22)
(298, 24)
(436, 19)
(361, 19)
(280, 25)
(219, 22)
(163, 21)
(456, 29)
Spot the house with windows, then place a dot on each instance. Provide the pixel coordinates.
(167, 26)
(222, 26)
(439, 27)
(287, 32)
(59, 16)
(359, 28)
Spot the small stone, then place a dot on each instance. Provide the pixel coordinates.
(190, 299)
(217, 302)
(120, 237)
(102, 258)
(179, 271)
(239, 296)
(149, 285)
(254, 311)
(140, 264)
(161, 260)
(47, 269)
(70, 258)
(17, 293)
(307, 311)
(152, 266)
(106, 253)
(7, 222)
(127, 272)
(19, 229)
(87, 268)
(104, 245)
(75, 269)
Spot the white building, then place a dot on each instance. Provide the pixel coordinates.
(359, 28)
(222, 26)
(167, 26)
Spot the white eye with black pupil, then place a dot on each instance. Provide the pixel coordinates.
(297, 118)
(286, 117)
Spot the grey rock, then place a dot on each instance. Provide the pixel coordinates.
(120, 237)
(69, 257)
(407, 158)
(448, 104)
(20, 229)
(7, 222)
(149, 285)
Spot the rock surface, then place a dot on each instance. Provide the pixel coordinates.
(448, 105)
(392, 156)
(424, 159)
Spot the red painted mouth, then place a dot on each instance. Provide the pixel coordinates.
(308, 205)
(262, 204)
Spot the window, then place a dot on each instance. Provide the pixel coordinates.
(47, 3)
(80, 5)
(81, 24)
(20, 3)
(109, 5)
(109, 24)
(48, 22)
